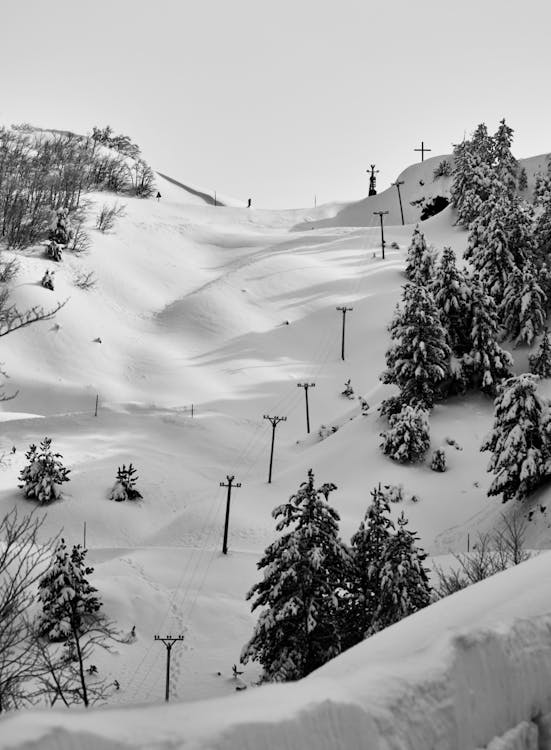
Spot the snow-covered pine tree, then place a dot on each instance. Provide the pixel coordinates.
(518, 441)
(473, 160)
(44, 472)
(65, 593)
(540, 362)
(488, 244)
(298, 628)
(542, 230)
(438, 461)
(486, 364)
(520, 231)
(420, 260)
(125, 485)
(532, 307)
(505, 163)
(408, 438)
(452, 294)
(522, 179)
(418, 362)
(404, 583)
(368, 547)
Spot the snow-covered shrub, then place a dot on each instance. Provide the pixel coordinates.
(41, 478)
(124, 488)
(364, 406)
(348, 390)
(394, 493)
(326, 430)
(438, 461)
(444, 169)
(408, 438)
(540, 362)
(108, 216)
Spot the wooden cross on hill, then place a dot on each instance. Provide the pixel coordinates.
(422, 150)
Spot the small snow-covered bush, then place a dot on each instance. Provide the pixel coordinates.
(44, 472)
(438, 462)
(364, 406)
(348, 390)
(124, 488)
(408, 438)
(394, 493)
(444, 169)
(326, 430)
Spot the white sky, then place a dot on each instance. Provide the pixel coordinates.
(280, 100)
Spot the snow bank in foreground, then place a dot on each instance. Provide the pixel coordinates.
(470, 672)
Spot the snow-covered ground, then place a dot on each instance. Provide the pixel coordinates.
(228, 308)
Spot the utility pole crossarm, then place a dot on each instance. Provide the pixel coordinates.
(422, 150)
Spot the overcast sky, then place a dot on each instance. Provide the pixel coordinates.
(280, 100)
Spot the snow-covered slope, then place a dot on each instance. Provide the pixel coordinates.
(469, 672)
(226, 308)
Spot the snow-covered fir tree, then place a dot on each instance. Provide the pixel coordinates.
(522, 179)
(452, 294)
(368, 546)
(519, 440)
(472, 174)
(41, 477)
(506, 165)
(519, 227)
(488, 244)
(66, 595)
(540, 362)
(418, 362)
(532, 307)
(486, 364)
(125, 485)
(298, 628)
(420, 260)
(438, 460)
(404, 584)
(408, 437)
(509, 310)
(544, 280)
(542, 230)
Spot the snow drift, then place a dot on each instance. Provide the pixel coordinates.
(469, 672)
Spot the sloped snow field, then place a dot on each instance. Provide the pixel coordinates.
(228, 308)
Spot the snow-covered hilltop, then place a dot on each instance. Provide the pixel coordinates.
(202, 319)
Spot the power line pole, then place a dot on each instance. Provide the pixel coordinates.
(306, 386)
(97, 400)
(274, 421)
(380, 214)
(229, 485)
(344, 310)
(372, 179)
(422, 150)
(169, 641)
(397, 185)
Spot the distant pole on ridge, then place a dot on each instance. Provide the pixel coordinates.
(306, 386)
(274, 421)
(372, 179)
(397, 185)
(380, 214)
(229, 485)
(344, 310)
(422, 150)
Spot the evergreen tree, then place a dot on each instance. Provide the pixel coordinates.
(540, 362)
(438, 461)
(420, 260)
(124, 487)
(368, 546)
(544, 280)
(522, 179)
(510, 308)
(519, 226)
(408, 438)
(418, 362)
(506, 165)
(488, 246)
(298, 629)
(542, 232)
(486, 363)
(532, 307)
(473, 160)
(452, 295)
(44, 472)
(519, 442)
(65, 593)
(404, 583)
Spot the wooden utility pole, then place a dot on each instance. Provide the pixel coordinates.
(422, 150)
(169, 641)
(97, 400)
(229, 485)
(380, 214)
(344, 310)
(274, 421)
(306, 386)
(397, 185)
(84, 536)
(215, 198)
(372, 179)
